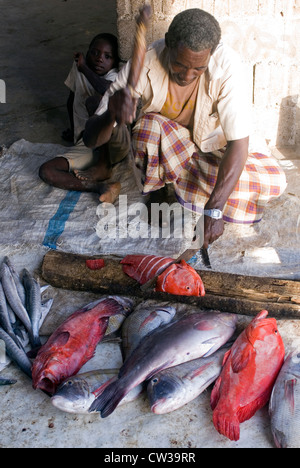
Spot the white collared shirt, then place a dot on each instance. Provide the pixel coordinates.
(223, 108)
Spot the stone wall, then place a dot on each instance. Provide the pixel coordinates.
(266, 33)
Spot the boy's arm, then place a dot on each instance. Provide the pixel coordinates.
(99, 83)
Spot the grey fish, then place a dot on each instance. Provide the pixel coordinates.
(284, 406)
(193, 336)
(16, 353)
(4, 381)
(13, 297)
(33, 305)
(76, 394)
(4, 315)
(142, 321)
(17, 280)
(176, 386)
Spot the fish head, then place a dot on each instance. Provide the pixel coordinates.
(261, 327)
(162, 390)
(125, 302)
(45, 381)
(73, 396)
(180, 279)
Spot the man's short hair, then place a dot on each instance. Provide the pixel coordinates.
(195, 29)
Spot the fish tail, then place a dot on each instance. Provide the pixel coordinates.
(107, 402)
(227, 424)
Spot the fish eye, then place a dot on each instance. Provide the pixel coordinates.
(275, 331)
(187, 287)
(155, 380)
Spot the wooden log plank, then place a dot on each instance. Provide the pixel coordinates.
(245, 295)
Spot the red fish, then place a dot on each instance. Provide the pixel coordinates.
(178, 278)
(74, 342)
(249, 372)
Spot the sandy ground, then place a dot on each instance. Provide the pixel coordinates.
(37, 42)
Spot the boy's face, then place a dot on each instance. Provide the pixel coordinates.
(100, 57)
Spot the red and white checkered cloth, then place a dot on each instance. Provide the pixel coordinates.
(165, 153)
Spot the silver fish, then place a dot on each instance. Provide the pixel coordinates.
(193, 336)
(13, 297)
(33, 305)
(143, 320)
(176, 386)
(4, 316)
(4, 381)
(76, 394)
(284, 406)
(17, 280)
(16, 353)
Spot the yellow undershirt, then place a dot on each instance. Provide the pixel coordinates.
(180, 103)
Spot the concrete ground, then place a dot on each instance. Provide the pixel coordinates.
(37, 42)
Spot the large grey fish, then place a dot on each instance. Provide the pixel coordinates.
(33, 305)
(192, 336)
(16, 353)
(143, 320)
(172, 388)
(17, 280)
(76, 394)
(4, 381)
(5, 321)
(284, 406)
(14, 300)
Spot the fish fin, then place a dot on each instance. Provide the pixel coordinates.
(241, 357)
(109, 399)
(196, 372)
(289, 386)
(246, 412)
(227, 424)
(215, 394)
(226, 356)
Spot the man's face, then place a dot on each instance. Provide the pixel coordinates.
(185, 65)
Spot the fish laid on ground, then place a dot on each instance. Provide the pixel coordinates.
(142, 321)
(284, 407)
(192, 336)
(74, 342)
(17, 280)
(178, 278)
(14, 299)
(77, 393)
(4, 381)
(17, 354)
(5, 321)
(174, 387)
(249, 371)
(33, 305)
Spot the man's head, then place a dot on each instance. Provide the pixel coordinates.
(191, 40)
(194, 29)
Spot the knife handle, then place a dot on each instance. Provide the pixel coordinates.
(139, 48)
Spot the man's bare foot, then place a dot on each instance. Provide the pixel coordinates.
(93, 174)
(111, 194)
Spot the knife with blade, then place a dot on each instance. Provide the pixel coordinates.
(186, 256)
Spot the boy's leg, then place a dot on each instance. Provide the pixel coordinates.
(56, 173)
(101, 170)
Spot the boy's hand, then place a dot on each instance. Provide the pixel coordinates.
(80, 60)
